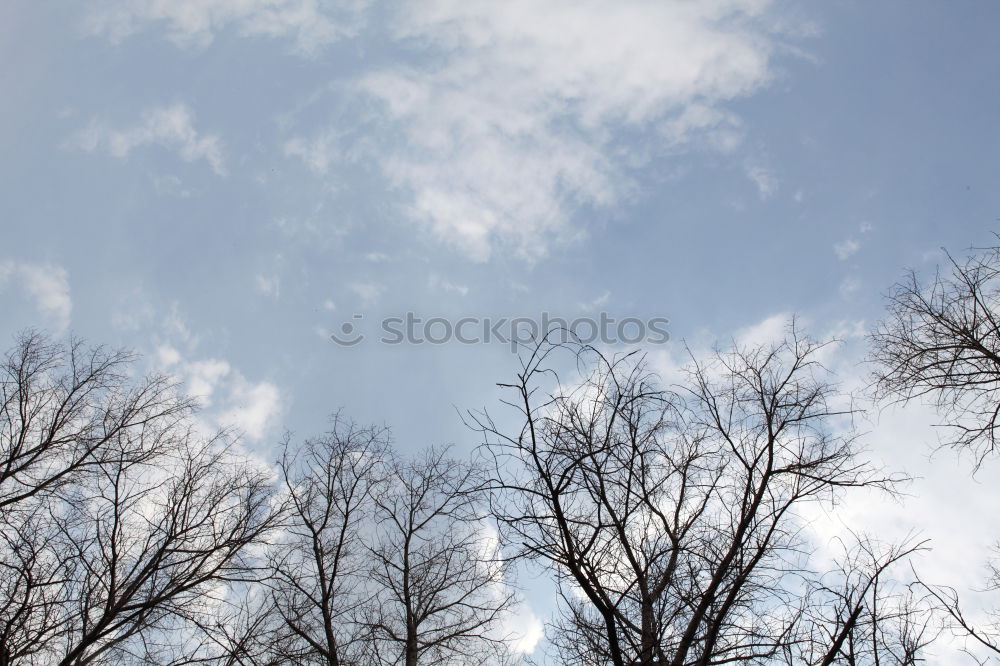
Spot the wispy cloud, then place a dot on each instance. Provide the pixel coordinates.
(769, 330)
(446, 285)
(171, 127)
(849, 286)
(598, 302)
(765, 180)
(310, 25)
(523, 629)
(229, 399)
(46, 285)
(846, 249)
(507, 117)
(268, 285)
(319, 152)
(254, 407)
(368, 292)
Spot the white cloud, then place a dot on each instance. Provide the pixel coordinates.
(849, 286)
(368, 292)
(770, 330)
(508, 117)
(47, 285)
(446, 285)
(309, 24)
(269, 286)
(175, 326)
(171, 185)
(203, 377)
(227, 397)
(525, 628)
(846, 249)
(460, 289)
(318, 153)
(171, 127)
(166, 356)
(764, 179)
(133, 311)
(254, 408)
(670, 361)
(518, 625)
(598, 302)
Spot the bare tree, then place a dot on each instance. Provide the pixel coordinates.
(941, 339)
(155, 548)
(32, 575)
(380, 560)
(62, 408)
(985, 635)
(243, 630)
(858, 615)
(670, 517)
(438, 582)
(120, 523)
(321, 563)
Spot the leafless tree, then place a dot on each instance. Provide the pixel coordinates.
(62, 408)
(858, 615)
(941, 339)
(155, 548)
(32, 575)
(381, 560)
(985, 635)
(438, 581)
(121, 522)
(321, 563)
(670, 517)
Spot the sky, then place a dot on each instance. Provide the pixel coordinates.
(223, 184)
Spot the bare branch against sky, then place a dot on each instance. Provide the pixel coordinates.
(733, 262)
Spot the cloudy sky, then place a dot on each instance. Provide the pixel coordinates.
(222, 184)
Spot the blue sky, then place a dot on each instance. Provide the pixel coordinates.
(220, 184)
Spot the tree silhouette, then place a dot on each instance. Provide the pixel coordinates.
(119, 520)
(670, 518)
(940, 340)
